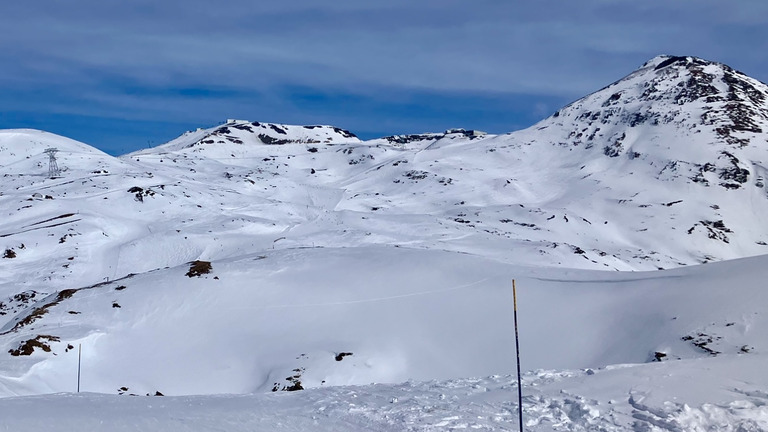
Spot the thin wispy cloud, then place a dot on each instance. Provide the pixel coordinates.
(198, 62)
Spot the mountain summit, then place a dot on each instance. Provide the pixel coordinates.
(676, 146)
(687, 93)
(249, 133)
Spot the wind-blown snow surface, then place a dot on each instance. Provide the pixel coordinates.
(262, 321)
(689, 395)
(336, 262)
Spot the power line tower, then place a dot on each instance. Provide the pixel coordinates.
(53, 167)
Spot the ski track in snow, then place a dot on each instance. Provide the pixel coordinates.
(370, 300)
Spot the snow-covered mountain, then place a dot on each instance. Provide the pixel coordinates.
(679, 146)
(660, 169)
(256, 256)
(248, 134)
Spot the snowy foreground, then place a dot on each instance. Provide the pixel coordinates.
(722, 394)
(455, 323)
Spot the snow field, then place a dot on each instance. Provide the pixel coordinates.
(336, 263)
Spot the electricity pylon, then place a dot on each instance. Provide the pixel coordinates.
(53, 167)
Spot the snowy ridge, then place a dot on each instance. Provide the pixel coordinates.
(248, 133)
(259, 257)
(22, 153)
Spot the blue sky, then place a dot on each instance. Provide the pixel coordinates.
(125, 75)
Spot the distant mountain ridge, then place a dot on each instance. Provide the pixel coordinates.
(664, 167)
(246, 132)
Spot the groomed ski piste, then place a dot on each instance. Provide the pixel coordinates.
(263, 276)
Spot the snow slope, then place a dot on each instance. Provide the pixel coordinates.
(335, 262)
(689, 395)
(661, 169)
(401, 313)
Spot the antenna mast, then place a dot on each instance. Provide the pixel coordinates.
(53, 167)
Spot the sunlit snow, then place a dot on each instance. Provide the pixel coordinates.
(239, 262)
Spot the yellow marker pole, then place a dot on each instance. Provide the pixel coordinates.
(517, 350)
(79, 356)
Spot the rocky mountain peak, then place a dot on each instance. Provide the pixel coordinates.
(686, 92)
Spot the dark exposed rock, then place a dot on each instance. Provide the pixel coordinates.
(405, 139)
(340, 356)
(243, 127)
(735, 173)
(699, 85)
(199, 268)
(702, 341)
(716, 230)
(612, 100)
(266, 139)
(672, 60)
(616, 148)
(416, 175)
(28, 347)
(345, 133)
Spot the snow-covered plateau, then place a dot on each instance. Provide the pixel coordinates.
(269, 277)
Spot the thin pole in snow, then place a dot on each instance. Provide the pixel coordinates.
(517, 351)
(79, 356)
